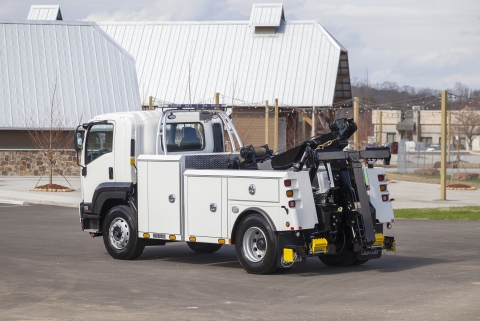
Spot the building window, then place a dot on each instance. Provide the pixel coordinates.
(426, 140)
(265, 30)
(390, 137)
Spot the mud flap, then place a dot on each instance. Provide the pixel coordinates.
(369, 254)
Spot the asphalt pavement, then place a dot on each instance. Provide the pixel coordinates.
(51, 270)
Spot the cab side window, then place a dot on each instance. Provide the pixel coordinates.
(99, 142)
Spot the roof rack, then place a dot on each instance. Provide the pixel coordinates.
(194, 106)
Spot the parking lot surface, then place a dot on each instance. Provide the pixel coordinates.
(51, 270)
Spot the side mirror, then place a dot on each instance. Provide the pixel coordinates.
(78, 141)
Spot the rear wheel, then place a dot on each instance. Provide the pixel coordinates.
(120, 234)
(255, 245)
(204, 247)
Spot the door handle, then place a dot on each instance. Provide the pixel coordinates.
(110, 172)
(213, 207)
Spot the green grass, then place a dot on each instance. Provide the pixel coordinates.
(446, 213)
(437, 177)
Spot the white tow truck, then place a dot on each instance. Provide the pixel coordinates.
(153, 177)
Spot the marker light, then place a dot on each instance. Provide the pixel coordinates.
(385, 198)
(383, 188)
(221, 241)
(146, 235)
(192, 239)
(172, 237)
(291, 203)
(287, 183)
(289, 193)
(381, 178)
(287, 224)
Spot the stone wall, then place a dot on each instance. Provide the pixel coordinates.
(34, 163)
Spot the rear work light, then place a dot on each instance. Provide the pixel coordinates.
(381, 178)
(383, 188)
(287, 183)
(291, 203)
(385, 198)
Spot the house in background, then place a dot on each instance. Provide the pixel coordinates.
(422, 125)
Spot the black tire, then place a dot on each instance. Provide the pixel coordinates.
(256, 245)
(360, 262)
(120, 234)
(204, 247)
(344, 257)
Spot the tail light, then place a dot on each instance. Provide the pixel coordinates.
(385, 198)
(381, 178)
(287, 183)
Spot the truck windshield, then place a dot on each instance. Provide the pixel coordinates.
(99, 142)
(185, 137)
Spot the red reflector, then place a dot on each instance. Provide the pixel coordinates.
(287, 182)
(292, 228)
(381, 177)
(392, 220)
(299, 227)
(384, 198)
(291, 204)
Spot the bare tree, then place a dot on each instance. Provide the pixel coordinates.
(467, 124)
(50, 137)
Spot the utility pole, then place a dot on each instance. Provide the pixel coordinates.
(266, 121)
(150, 103)
(449, 129)
(217, 98)
(380, 129)
(275, 138)
(443, 167)
(355, 119)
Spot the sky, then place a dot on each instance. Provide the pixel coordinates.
(427, 43)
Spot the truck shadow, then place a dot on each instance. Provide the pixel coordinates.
(226, 257)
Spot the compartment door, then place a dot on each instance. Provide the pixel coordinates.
(164, 215)
(204, 206)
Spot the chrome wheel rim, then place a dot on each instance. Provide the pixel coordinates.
(119, 233)
(254, 244)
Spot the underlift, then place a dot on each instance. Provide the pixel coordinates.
(347, 232)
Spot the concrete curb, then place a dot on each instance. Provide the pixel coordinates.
(26, 201)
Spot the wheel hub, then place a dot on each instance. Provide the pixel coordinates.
(254, 244)
(119, 233)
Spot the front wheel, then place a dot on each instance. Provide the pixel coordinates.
(256, 246)
(204, 247)
(120, 234)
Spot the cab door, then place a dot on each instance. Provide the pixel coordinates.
(98, 158)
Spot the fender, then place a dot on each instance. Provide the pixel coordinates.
(249, 211)
(110, 190)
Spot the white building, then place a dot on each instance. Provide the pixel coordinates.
(420, 126)
(247, 62)
(90, 73)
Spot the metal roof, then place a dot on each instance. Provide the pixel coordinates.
(266, 15)
(44, 12)
(92, 73)
(298, 65)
